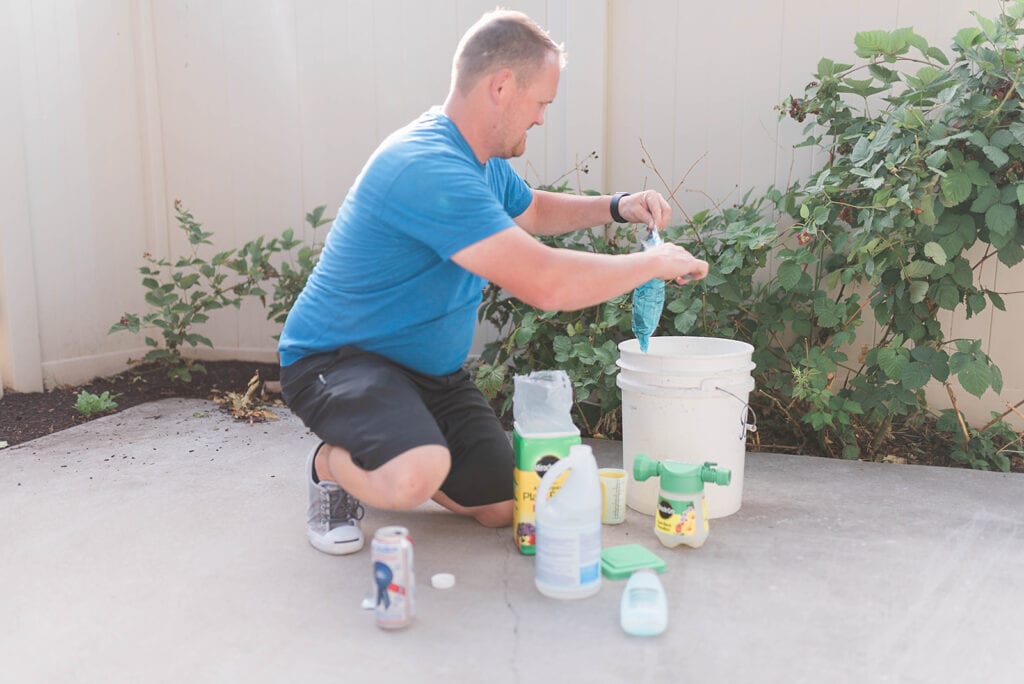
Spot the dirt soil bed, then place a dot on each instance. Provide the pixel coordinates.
(26, 416)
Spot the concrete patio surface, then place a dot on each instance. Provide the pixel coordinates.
(167, 543)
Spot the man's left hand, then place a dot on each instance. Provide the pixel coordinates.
(647, 207)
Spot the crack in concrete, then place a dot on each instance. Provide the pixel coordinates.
(509, 553)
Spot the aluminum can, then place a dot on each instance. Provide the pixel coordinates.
(393, 580)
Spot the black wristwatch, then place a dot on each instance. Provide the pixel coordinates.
(616, 216)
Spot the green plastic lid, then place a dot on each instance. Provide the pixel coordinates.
(619, 562)
(683, 478)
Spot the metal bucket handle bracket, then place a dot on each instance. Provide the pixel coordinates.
(748, 420)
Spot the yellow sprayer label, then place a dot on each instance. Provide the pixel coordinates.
(677, 518)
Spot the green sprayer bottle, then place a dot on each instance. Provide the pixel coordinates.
(681, 516)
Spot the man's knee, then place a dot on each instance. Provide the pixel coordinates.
(413, 477)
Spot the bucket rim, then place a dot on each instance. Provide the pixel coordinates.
(743, 384)
(632, 345)
(687, 373)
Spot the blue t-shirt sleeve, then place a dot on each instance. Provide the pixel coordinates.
(515, 194)
(445, 204)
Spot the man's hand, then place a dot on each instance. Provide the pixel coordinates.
(677, 264)
(647, 207)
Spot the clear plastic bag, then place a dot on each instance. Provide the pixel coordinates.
(542, 402)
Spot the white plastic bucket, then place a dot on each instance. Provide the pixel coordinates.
(686, 400)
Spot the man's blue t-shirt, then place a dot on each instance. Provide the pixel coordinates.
(385, 281)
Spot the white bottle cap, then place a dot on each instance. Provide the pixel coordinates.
(443, 580)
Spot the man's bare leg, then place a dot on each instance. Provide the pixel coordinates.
(404, 482)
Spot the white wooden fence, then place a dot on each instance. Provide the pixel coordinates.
(252, 112)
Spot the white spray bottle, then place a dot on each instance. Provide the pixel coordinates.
(568, 562)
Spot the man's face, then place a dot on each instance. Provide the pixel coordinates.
(527, 106)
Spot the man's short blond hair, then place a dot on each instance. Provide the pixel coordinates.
(502, 38)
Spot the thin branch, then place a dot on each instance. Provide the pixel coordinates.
(1008, 411)
(959, 415)
(672, 192)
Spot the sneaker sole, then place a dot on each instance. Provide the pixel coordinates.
(334, 548)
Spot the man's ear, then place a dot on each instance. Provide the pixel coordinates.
(500, 83)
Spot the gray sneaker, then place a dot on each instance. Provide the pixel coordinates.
(332, 520)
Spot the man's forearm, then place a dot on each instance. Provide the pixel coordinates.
(553, 213)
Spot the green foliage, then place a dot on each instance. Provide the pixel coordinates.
(292, 276)
(88, 403)
(182, 294)
(583, 343)
(923, 186)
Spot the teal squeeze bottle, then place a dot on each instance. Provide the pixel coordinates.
(644, 609)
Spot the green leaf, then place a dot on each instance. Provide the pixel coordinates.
(918, 290)
(987, 25)
(929, 74)
(1001, 220)
(1002, 138)
(934, 251)
(995, 155)
(918, 269)
(1020, 194)
(1017, 130)
(956, 187)
(947, 296)
(975, 377)
(788, 274)
(883, 74)
(562, 347)
(938, 55)
(874, 43)
(967, 37)
(997, 301)
(891, 362)
(1002, 461)
(936, 159)
(1011, 254)
(489, 379)
(684, 321)
(927, 206)
(828, 312)
(915, 375)
(985, 199)
(977, 175)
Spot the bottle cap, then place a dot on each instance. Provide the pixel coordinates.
(443, 580)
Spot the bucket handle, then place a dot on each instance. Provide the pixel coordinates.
(748, 420)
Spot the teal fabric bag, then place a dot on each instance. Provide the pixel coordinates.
(648, 300)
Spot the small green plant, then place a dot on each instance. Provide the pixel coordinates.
(292, 277)
(89, 404)
(184, 293)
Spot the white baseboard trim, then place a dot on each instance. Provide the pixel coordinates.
(84, 368)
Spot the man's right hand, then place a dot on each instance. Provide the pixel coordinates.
(677, 264)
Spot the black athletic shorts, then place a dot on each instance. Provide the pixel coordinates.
(377, 409)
